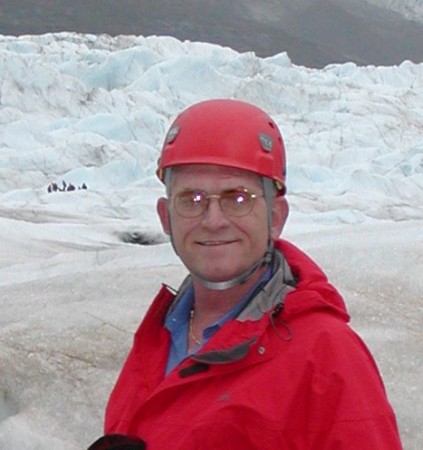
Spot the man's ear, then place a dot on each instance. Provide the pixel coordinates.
(280, 212)
(163, 212)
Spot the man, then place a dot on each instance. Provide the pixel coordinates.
(254, 350)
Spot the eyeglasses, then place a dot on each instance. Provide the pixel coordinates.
(233, 202)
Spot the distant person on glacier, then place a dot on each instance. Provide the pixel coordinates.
(64, 186)
(52, 187)
(254, 350)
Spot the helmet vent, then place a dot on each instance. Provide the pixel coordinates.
(171, 135)
(266, 142)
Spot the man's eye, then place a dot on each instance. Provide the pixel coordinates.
(196, 197)
(241, 197)
(190, 198)
(236, 197)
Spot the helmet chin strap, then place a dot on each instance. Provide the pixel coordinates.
(239, 279)
(269, 189)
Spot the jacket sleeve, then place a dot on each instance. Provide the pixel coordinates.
(347, 403)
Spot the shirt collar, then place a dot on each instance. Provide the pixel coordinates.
(180, 315)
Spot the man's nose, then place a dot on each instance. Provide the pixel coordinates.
(214, 216)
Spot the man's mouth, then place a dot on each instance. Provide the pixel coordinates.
(215, 243)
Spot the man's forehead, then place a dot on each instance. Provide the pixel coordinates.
(212, 169)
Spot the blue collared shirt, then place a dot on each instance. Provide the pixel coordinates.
(177, 322)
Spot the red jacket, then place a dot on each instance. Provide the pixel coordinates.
(296, 377)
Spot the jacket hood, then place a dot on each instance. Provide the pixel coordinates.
(313, 292)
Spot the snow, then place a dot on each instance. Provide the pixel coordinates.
(410, 9)
(78, 269)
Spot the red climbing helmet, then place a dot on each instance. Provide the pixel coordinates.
(228, 133)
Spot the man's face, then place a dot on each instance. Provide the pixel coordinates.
(215, 245)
